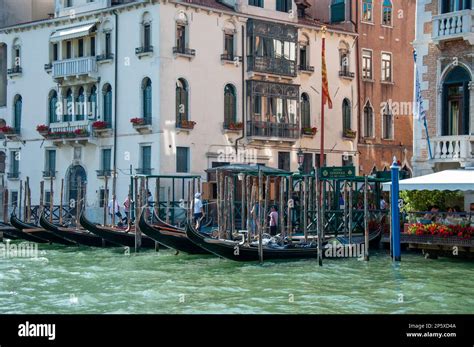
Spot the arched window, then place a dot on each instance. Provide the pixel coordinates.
(80, 104)
(146, 32)
(182, 99)
(455, 102)
(367, 15)
(92, 100)
(387, 123)
(107, 91)
(346, 115)
(52, 107)
(305, 111)
(344, 59)
(368, 120)
(69, 106)
(230, 105)
(147, 100)
(304, 50)
(16, 55)
(18, 103)
(182, 28)
(387, 12)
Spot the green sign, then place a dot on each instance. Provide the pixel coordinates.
(337, 172)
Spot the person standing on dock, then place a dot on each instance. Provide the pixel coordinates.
(273, 221)
(126, 209)
(114, 210)
(198, 210)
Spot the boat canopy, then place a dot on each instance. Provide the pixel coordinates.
(462, 180)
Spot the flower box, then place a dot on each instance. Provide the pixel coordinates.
(441, 230)
(98, 125)
(309, 131)
(235, 126)
(186, 124)
(7, 130)
(137, 121)
(80, 133)
(349, 133)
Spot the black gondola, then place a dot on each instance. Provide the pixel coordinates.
(8, 231)
(81, 237)
(116, 236)
(31, 232)
(170, 236)
(240, 252)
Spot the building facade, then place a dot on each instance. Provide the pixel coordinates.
(386, 30)
(21, 11)
(169, 87)
(445, 46)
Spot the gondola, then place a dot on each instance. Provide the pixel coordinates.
(78, 236)
(115, 235)
(240, 252)
(8, 231)
(170, 236)
(160, 223)
(32, 233)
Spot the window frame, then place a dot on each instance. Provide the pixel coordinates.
(372, 130)
(383, 67)
(364, 78)
(188, 159)
(389, 25)
(362, 19)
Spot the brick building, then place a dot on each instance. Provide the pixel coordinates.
(445, 46)
(385, 71)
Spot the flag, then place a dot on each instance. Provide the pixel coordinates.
(418, 112)
(325, 95)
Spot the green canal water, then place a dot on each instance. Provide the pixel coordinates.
(87, 280)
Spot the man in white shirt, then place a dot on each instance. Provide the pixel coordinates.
(198, 210)
(115, 210)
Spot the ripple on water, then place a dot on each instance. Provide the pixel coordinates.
(86, 280)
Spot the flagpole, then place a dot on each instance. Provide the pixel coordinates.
(321, 156)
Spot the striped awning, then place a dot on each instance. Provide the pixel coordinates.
(72, 33)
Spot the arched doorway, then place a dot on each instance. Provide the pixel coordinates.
(75, 174)
(455, 102)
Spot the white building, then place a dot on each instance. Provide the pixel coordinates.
(177, 68)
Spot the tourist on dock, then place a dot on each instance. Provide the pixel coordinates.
(254, 213)
(198, 210)
(433, 215)
(273, 221)
(149, 203)
(114, 209)
(126, 209)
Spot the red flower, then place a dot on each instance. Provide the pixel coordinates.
(42, 128)
(99, 124)
(137, 121)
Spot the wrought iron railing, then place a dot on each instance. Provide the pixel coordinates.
(144, 49)
(13, 175)
(277, 66)
(345, 73)
(271, 129)
(15, 70)
(104, 173)
(49, 174)
(230, 57)
(184, 50)
(144, 171)
(306, 68)
(103, 57)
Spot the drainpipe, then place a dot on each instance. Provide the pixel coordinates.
(114, 187)
(244, 121)
(356, 27)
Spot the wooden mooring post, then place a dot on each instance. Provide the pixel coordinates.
(260, 213)
(106, 198)
(61, 202)
(51, 200)
(320, 226)
(366, 218)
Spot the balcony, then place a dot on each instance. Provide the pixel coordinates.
(70, 134)
(143, 51)
(104, 173)
(184, 52)
(143, 171)
(230, 58)
(270, 131)
(75, 67)
(346, 74)
(49, 174)
(306, 68)
(454, 25)
(16, 71)
(142, 125)
(48, 67)
(13, 175)
(104, 58)
(101, 128)
(453, 149)
(276, 66)
(10, 133)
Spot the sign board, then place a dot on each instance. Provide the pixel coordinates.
(337, 172)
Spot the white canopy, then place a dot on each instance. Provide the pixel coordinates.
(72, 33)
(462, 180)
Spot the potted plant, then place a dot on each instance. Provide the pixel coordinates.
(80, 132)
(350, 134)
(43, 129)
(99, 124)
(7, 130)
(235, 126)
(137, 121)
(187, 124)
(309, 131)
